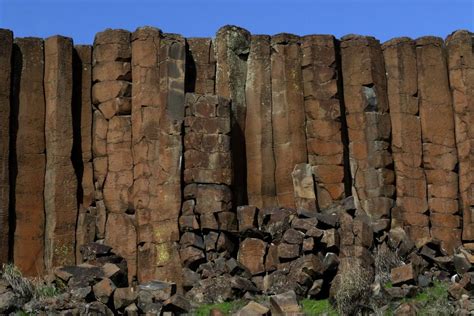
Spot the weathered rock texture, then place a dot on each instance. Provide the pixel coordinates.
(112, 143)
(28, 159)
(461, 79)
(158, 67)
(288, 115)
(6, 49)
(258, 124)
(287, 151)
(231, 50)
(368, 125)
(402, 91)
(440, 158)
(60, 187)
(324, 130)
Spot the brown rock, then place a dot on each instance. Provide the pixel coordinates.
(177, 304)
(247, 217)
(252, 254)
(190, 256)
(258, 125)
(230, 44)
(292, 236)
(437, 125)
(6, 52)
(288, 251)
(402, 274)
(103, 290)
(125, 296)
(304, 189)
(28, 108)
(253, 308)
(272, 260)
(460, 65)
(368, 124)
(158, 65)
(284, 303)
(288, 118)
(323, 116)
(200, 66)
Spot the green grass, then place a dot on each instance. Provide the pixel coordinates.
(317, 307)
(433, 300)
(226, 308)
(388, 285)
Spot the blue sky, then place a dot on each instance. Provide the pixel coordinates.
(384, 19)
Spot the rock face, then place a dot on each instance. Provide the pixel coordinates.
(288, 117)
(246, 161)
(6, 51)
(200, 66)
(112, 142)
(325, 133)
(232, 49)
(60, 187)
(439, 145)
(157, 116)
(258, 125)
(368, 125)
(461, 79)
(402, 90)
(28, 155)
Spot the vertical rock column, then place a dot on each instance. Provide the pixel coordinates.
(82, 152)
(402, 90)
(323, 117)
(439, 144)
(288, 114)
(6, 48)
(368, 124)
(27, 159)
(232, 49)
(158, 66)
(258, 125)
(200, 66)
(60, 187)
(207, 214)
(112, 143)
(461, 78)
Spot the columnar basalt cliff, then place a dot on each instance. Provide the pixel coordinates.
(173, 151)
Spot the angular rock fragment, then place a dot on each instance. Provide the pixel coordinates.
(304, 189)
(284, 303)
(251, 254)
(200, 66)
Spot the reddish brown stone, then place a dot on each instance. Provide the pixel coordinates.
(200, 66)
(288, 251)
(60, 179)
(402, 274)
(461, 78)
(231, 44)
(437, 125)
(368, 124)
(247, 217)
(252, 253)
(29, 110)
(288, 117)
(323, 116)
(304, 188)
(258, 125)
(6, 49)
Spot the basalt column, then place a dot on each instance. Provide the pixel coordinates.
(27, 158)
(288, 114)
(461, 78)
(402, 90)
(439, 144)
(6, 47)
(200, 66)
(323, 117)
(158, 66)
(82, 151)
(112, 143)
(232, 49)
(60, 187)
(368, 125)
(207, 216)
(258, 125)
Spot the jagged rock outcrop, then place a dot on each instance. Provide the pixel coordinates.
(440, 158)
(6, 51)
(278, 137)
